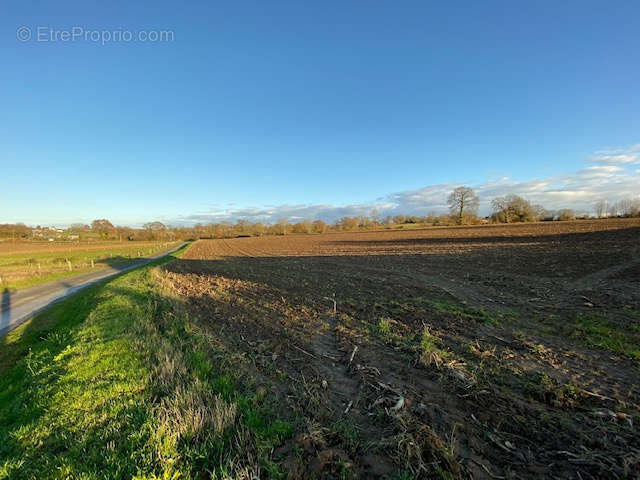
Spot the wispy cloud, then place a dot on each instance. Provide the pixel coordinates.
(607, 175)
(624, 155)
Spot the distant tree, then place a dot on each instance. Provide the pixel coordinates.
(348, 223)
(155, 230)
(307, 226)
(566, 214)
(601, 208)
(126, 232)
(297, 227)
(242, 226)
(541, 213)
(15, 230)
(319, 226)
(513, 208)
(628, 207)
(79, 227)
(283, 226)
(364, 222)
(375, 217)
(258, 229)
(463, 201)
(155, 226)
(103, 227)
(444, 219)
(431, 217)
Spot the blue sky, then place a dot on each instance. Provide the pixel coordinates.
(266, 109)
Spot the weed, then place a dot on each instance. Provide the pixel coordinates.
(548, 390)
(483, 353)
(384, 327)
(346, 432)
(431, 352)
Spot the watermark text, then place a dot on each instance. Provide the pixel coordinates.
(47, 34)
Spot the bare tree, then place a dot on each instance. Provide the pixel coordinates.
(283, 226)
(566, 214)
(463, 201)
(307, 226)
(628, 207)
(601, 208)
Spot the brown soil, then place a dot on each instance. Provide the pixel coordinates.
(440, 353)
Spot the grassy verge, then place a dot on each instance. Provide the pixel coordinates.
(116, 383)
(20, 270)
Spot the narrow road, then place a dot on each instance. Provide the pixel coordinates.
(16, 307)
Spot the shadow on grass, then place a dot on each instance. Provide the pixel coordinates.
(62, 288)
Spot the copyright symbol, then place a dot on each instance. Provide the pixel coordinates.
(23, 34)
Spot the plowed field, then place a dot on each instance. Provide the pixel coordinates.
(465, 352)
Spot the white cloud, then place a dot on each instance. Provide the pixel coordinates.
(625, 158)
(603, 169)
(624, 155)
(611, 179)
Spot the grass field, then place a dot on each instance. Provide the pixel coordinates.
(24, 264)
(480, 352)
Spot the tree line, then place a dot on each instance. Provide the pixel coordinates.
(463, 206)
(463, 203)
(623, 208)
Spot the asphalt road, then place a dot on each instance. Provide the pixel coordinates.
(18, 306)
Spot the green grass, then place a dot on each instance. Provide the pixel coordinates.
(20, 270)
(347, 433)
(544, 388)
(467, 313)
(387, 330)
(431, 349)
(632, 313)
(600, 332)
(115, 383)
